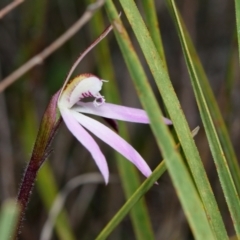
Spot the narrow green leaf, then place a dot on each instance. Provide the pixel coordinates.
(47, 188)
(224, 174)
(215, 112)
(129, 175)
(146, 185)
(181, 179)
(8, 219)
(153, 27)
(237, 9)
(138, 194)
(232, 65)
(174, 109)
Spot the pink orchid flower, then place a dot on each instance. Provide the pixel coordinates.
(73, 107)
(73, 110)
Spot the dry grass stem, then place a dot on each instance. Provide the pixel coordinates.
(39, 58)
(10, 7)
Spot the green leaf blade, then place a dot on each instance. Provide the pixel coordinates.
(180, 176)
(8, 219)
(129, 175)
(224, 174)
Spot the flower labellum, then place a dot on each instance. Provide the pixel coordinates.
(73, 106)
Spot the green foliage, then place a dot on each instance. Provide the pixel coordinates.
(128, 173)
(196, 177)
(8, 219)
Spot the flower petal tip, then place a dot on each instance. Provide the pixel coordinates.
(167, 121)
(106, 180)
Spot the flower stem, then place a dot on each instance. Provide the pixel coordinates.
(48, 128)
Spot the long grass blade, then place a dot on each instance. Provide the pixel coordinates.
(8, 219)
(146, 185)
(237, 9)
(174, 109)
(224, 174)
(138, 194)
(215, 112)
(129, 176)
(181, 179)
(153, 26)
(47, 188)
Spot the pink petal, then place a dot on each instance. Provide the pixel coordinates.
(114, 140)
(87, 141)
(113, 111)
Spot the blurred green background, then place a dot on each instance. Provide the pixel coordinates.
(31, 27)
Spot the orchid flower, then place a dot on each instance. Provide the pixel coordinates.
(73, 106)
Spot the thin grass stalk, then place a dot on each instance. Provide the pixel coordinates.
(181, 179)
(215, 112)
(48, 190)
(229, 84)
(138, 194)
(132, 201)
(154, 27)
(129, 176)
(224, 174)
(8, 219)
(179, 121)
(237, 10)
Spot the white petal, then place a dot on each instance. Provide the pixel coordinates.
(114, 140)
(84, 85)
(91, 85)
(86, 140)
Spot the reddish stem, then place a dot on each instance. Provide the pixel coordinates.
(48, 128)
